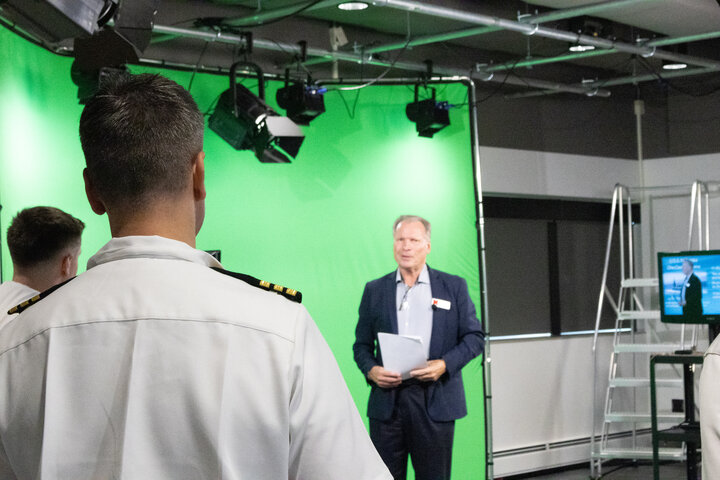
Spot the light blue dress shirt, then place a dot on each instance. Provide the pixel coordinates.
(414, 308)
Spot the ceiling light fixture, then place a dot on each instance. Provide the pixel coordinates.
(590, 27)
(576, 47)
(89, 81)
(671, 65)
(352, 6)
(681, 49)
(246, 122)
(429, 115)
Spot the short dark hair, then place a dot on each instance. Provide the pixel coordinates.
(37, 234)
(139, 134)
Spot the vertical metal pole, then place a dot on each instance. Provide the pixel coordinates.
(475, 151)
(700, 215)
(693, 201)
(707, 217)
(631, 256)
(594, 471)
(639, 109)
(621, 231)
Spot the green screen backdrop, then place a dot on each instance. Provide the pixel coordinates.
(321, 225)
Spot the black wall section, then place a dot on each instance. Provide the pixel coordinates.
(675, 123)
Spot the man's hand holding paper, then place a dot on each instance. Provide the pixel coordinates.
(402, 353)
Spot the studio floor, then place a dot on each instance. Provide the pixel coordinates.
(637, 471)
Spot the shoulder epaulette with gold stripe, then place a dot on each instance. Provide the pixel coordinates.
(288, 293)
(32, 301)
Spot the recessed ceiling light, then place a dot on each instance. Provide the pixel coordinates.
(581, 48)
(674, 66)
(352, 6)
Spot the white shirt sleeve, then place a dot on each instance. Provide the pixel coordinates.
(710, 415)
(327, 436)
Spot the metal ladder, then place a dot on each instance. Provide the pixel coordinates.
(638, 334)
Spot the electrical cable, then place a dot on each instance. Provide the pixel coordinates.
(500, 85)
(351, 114)
(649, 67)
(218, 21)
(382, 75)
(197, 65)
(292, 55)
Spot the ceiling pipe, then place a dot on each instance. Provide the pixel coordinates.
(214, 36)
(427, 39)
(368, 60)
(661, 42)
(269, 15)
(652, 76)
(536, 29)
(579, 11)
(633, 79)
(543, 61)
(534, 19)
(220, 37)
(594, 53)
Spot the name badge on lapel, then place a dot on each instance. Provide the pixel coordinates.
(439, 303)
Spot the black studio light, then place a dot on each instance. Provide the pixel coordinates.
(246, 122)
(108, 50)
(302, 102)
(88, 81)
(52, 21)
(429, 116)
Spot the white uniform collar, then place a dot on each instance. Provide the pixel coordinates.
(121, 248)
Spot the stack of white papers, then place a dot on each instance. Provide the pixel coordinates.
(402, 353)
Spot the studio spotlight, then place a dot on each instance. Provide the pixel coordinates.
(52, 21)
(302, 102)
(430, 116)
(89, 81)
(246, 122)
(107, 52)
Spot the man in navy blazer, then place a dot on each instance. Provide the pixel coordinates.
(417, 416)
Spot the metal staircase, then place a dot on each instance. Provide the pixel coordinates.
(637, 335)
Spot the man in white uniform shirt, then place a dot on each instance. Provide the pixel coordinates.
(153, 364)
(44, 244)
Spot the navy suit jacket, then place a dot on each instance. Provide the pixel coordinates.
(457, 338)
(692, 310)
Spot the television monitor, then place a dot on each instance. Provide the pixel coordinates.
(690, 286)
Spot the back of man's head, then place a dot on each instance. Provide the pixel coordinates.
(38, 238)
(140, 134)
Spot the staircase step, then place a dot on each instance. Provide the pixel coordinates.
(640, 453)
(633, 417)
(639, 315)
(647, 347)
(645, 382)
(639, 282)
